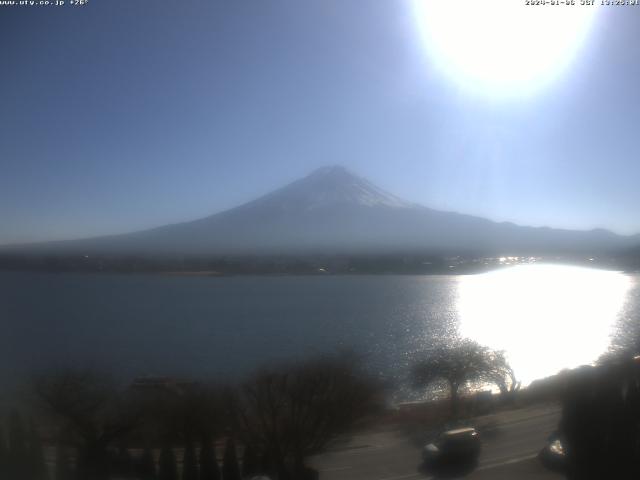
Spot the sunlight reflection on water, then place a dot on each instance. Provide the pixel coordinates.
(545, 317)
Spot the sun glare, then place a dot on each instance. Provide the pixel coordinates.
(546, 317)
(502, 46)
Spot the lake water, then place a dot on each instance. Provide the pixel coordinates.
(546, 318)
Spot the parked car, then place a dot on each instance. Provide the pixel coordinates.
(459, 446)
(553, 455)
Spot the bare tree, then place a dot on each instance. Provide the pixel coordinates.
(500, 372)
(185, 414)
(93, 410)
(296, 411)
(453, 365)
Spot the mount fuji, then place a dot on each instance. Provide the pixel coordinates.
(335, 211)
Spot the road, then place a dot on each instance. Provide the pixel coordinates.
(511, 441)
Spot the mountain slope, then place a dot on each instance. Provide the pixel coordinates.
(335, 211)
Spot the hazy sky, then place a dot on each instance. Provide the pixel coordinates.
(127, 114)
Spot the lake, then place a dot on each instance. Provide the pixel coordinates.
(546, 317)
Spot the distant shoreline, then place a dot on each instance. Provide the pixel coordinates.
(219, 274)
(318, 264)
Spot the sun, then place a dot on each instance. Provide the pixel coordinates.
(502, 46)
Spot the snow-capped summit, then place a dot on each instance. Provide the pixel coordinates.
(329, 186)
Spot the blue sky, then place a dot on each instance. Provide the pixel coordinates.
(123, 115)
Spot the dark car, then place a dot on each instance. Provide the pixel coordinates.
(459, 446)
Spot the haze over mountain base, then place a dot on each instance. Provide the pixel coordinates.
(334, 213)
